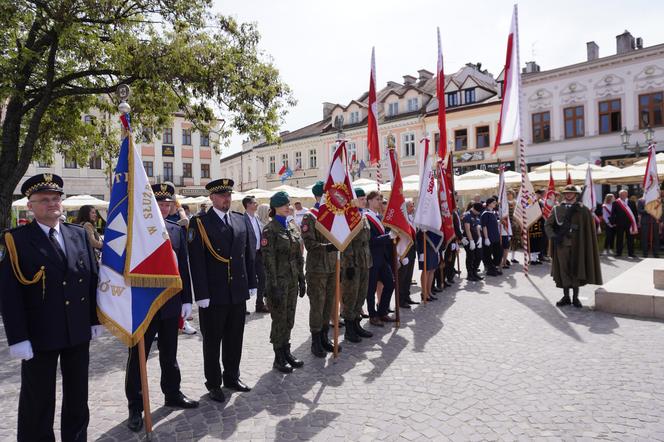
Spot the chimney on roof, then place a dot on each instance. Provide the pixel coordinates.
(593, 50)
(393, 84)
(531, 67)
(408, 80)
(425, 75)
(327, 109)
(625, 43)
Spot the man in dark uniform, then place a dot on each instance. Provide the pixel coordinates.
(472, 241)
(48, 298)
(221, 257)
(623, 217)
(250, 206)
(166, 323)
(452, 249)
(408, 262)
(381, 269)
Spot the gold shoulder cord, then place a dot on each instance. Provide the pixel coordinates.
(213, 252)
(13, 258)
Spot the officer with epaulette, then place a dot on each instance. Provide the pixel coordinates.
(284, 275)
(48, 298)
(320, 278)
(166, 323)
(221, 257)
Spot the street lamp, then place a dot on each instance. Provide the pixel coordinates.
(649, 135)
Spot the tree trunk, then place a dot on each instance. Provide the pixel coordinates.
(6, 192)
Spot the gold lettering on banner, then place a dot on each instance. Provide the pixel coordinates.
(104, 285)
(151, 229)
(120, 177)
(147, 202)
(117, 290)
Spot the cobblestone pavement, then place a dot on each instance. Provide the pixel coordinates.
(488, 361)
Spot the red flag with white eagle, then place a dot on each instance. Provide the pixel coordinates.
(549, 197)
(509, 124)
(396, 216)
(372, 125)
(338, 220)
(440, 93)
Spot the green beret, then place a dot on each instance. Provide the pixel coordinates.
(279, 199)
(317, 190)
(359, 192)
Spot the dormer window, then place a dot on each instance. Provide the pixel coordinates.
(452, 99)
(393, 109)
(413, 104)
(354, 117)
(469, 96)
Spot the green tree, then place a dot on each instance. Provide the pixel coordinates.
(60, 59)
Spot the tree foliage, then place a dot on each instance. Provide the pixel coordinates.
(60, 59)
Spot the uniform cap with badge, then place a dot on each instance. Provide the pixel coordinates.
(221, 185)
(164, 191)
(43, 182)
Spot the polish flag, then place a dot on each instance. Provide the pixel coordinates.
(372, 136)
(440, 93)
(396, 216)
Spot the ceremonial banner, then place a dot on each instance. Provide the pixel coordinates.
(527, 199)
(338, 220)
(396, 216)
(588, 198)
(445, 196)
(651, 192)
(549, 197)
(372, 123)
(440, 94)
(138, 271)
(427, 213)
(503, 207)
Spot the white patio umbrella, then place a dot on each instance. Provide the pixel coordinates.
(76, 201)
(21, 204)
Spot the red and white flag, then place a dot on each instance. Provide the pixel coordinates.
(427, 213)
(589, 199)
(509, 124)
(651, 192)
(372, 125)
(445, 196)
(549, 197)
(338, 220)
(527, 210)
(440, 93)
(396, 216)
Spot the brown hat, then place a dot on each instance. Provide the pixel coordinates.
(571, 188)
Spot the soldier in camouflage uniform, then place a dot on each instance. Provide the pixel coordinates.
(284, 274)
(355, 264)
(321, 278)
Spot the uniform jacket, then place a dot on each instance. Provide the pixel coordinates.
(380, 245)
(178, 237)
(620, 218)
(358, 253)
(211, 278)
(282, 256)
(318, 259)
(61, 315)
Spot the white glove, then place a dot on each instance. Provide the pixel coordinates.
(464, 241)
(454, 246)
(22, 350)
(203, 303)
(472, 245)
(96, 331)
(393, 234)
(253, 292)
(487, 242)
(405, 261)
(186, 310)
(479, 243)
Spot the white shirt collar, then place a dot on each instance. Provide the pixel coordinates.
(221, 213)
(47, 229)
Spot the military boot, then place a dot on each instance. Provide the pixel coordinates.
(280, 362)
(362, 332)
(350, 334)
(325, 340)
(565, 299)
(316, 346)
(292, 360)
(575, 299)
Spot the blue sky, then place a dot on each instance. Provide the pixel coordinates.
(323, 49)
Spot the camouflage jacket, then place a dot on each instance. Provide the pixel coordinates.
(282, 255)
(358, 254)
(318, 258)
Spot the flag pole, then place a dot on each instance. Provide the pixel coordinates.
(425, 289)
(337, 300)
(395, 264)
(144, 386)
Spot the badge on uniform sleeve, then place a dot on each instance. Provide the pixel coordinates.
(191, 234)
(305, 228)
(263, 242)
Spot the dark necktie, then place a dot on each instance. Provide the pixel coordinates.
(56, 245)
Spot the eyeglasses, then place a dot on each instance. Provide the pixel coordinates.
(54, 200)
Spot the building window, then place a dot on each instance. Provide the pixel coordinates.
(651, 108)
(609, 116)
(70, 162)
(354, 117)
(205, 171)
(205, 140)
(351, 150)
(574, 122)
(186, 170)
(88, 119)
(461, 139)
(149, 171)
(43, 163)
(392, 109)
(408, 141)
(186, 137)
(469, 96)
(284, 159)
(452, 99)
(313, 159)
(168, 136)
(298, 160)
(482, 137)
(273, 166)
(95, 162)
(413, 104)
(168, 171)
(541, 127)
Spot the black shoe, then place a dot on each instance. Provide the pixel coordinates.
(431, 297)
(405, 306)
(473, 278)
(514, 261)
(492, 273)
(262, 309)
(325, 342)
(436, 289)
(246, 312)
(216, 395)
(446, 284)
(135, 421)
(365, 316)
(180, 401)
(411, 302)
(292, 360)
(389, 310)
(316, 346)
(361, 332)
(563, 301)
(576, 303)
(479, 278)
(350, 334)
(237, 385)
(280, 362)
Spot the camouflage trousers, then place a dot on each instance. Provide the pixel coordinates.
(354, 293)
(320, 288)
(282, 312)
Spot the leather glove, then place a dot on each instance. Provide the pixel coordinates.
(479, 243)
(329, 247)
(405, 261)
(302, 286)
(203, 303)
(96, 331)
(464, 241)
(253, 292)
(487, 242)
(186, 310)
(454, 246)
(472, 245)
(350, 273)
(21, 350)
